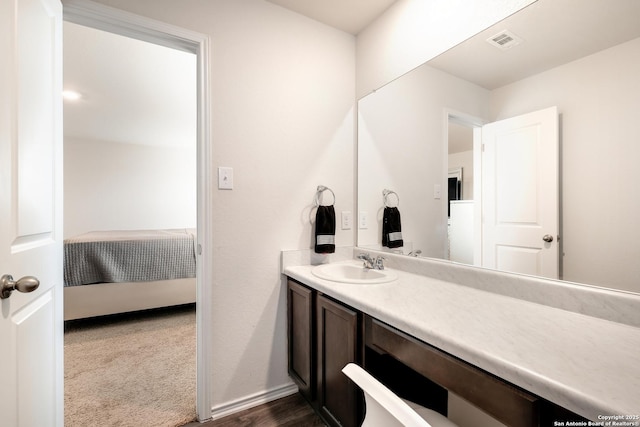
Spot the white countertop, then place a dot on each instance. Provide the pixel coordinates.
(588, 365)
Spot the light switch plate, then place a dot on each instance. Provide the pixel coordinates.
(363, 220)
(347, 219)
(225, 178)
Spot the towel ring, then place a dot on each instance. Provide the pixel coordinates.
(386, 193)
(321, 189)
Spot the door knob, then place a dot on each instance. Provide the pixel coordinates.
(24, 284)
(547, 238)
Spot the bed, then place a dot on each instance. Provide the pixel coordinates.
(109, 272)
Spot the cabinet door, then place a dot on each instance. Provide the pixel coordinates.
(301, 338)
(338, 397)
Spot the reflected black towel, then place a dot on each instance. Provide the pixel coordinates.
(391, 228)
(325, 230)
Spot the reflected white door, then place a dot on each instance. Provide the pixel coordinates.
(520, 194)
(31, 325)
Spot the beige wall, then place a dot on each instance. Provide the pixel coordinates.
(113, 186)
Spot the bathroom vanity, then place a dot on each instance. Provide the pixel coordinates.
(529, 352)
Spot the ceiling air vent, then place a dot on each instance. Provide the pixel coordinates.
(504, 40)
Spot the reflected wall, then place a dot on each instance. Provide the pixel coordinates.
(401, 147)
(401, 132)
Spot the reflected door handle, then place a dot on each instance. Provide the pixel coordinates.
(24, 284)
(547, 238)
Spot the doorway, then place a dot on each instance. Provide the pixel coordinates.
(125, 24)
(463, 167)
(130, 161)
(508, 225)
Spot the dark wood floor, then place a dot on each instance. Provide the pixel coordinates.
(289, 411)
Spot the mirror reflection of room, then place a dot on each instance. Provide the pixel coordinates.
(479, 81)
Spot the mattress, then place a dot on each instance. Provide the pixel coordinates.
(129, 256)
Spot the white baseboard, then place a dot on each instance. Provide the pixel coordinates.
(238, 405)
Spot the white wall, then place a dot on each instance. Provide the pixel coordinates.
(413, 31)
(282, 89)
(598, 98)
(402, 147)
(112, 186)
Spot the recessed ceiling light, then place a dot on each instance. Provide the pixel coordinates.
(71, 95)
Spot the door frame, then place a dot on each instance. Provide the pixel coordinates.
(98, 16)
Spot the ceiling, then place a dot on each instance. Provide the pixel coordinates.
(553, 32)
(351, 16)
(133, 92)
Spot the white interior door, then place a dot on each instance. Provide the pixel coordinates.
(31, 325)
(520, 194)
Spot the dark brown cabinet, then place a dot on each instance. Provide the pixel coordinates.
(301, 333)
(323, 337)
(337, 346)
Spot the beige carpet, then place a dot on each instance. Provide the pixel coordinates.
(132, 370)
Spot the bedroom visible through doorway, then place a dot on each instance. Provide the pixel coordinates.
(130, 156)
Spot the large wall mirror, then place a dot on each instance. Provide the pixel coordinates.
(418, 132)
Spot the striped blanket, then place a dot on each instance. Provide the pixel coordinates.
(129, 256)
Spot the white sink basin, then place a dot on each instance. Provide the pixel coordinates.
(353, 272)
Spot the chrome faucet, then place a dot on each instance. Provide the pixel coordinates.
(367, 261)
(370, 263)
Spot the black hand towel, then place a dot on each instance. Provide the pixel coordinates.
(391, 228)
(325, 230)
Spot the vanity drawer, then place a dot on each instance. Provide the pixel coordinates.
(503, 401)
